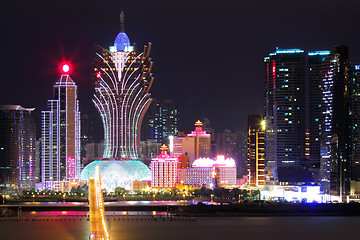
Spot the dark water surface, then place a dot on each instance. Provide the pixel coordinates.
(219, 228)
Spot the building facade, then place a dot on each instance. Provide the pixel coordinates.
(219, 172)
(164, 170)
(354, 82)
(256, 151)
(194, 145)
(316, 124)
(61, 134)
(284, 112)
(123, 80)
(17, 147)
(335, 165)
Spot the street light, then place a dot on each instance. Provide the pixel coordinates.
(184, 197)
(64, 198)
(124, 197)
(3, 197)
(154, 197)
(33, 197)
(212, 196)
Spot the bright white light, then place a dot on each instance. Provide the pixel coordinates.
(65, 68)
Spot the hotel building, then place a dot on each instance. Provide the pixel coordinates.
(61, 134)
(123, 80)
(164, 170)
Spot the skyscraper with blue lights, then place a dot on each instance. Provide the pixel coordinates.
(315, 61)
(354, 82)
(285, 114)
(123, 80)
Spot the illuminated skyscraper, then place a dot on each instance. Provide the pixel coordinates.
(335, 164)
(61, 134)
(354, 80)
(123, 81)
(256, 151)
(17, 147)
(284, 111)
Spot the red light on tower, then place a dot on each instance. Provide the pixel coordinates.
(66, 68)
(98, 75)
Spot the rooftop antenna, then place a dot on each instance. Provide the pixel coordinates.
(122, 21)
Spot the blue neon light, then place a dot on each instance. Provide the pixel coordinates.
(357, 67)
(122, 42)
(314, 53)
(286, 51)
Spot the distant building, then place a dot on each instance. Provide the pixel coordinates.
(161, 121)
(61, 134)
(17, 147)
(94, 151)
(149, 148)
(220, 172)
(194, 145)
(256, 151)
(164, 170)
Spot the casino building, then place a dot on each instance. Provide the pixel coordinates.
(123, 79)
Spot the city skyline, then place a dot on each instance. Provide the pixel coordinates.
(201, 44)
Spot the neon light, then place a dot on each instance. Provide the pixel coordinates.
(318, 53)
(286, 51)
(220, 161)
(357, 67)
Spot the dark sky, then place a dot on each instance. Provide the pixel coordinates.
(208, 55)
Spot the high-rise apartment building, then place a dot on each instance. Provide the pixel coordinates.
(335, 163)
(17, 147)
(354, 85)
(61, 134)
(284, 112)
(256, 151)
(123, 80)
(316, 124)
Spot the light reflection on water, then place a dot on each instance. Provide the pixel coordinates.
(254, 228)
(82, 213)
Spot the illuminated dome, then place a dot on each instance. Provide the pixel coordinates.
(117, 173)
(122, 42)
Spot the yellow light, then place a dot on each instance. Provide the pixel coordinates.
(263, 124)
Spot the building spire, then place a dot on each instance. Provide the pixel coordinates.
(122, 21)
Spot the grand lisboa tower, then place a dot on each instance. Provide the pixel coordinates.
(123, 80)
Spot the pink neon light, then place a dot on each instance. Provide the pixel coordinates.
(220, 161)
(66, 68)
(198, 132)
(164, 156)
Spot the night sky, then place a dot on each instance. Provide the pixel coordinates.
(208, 55)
